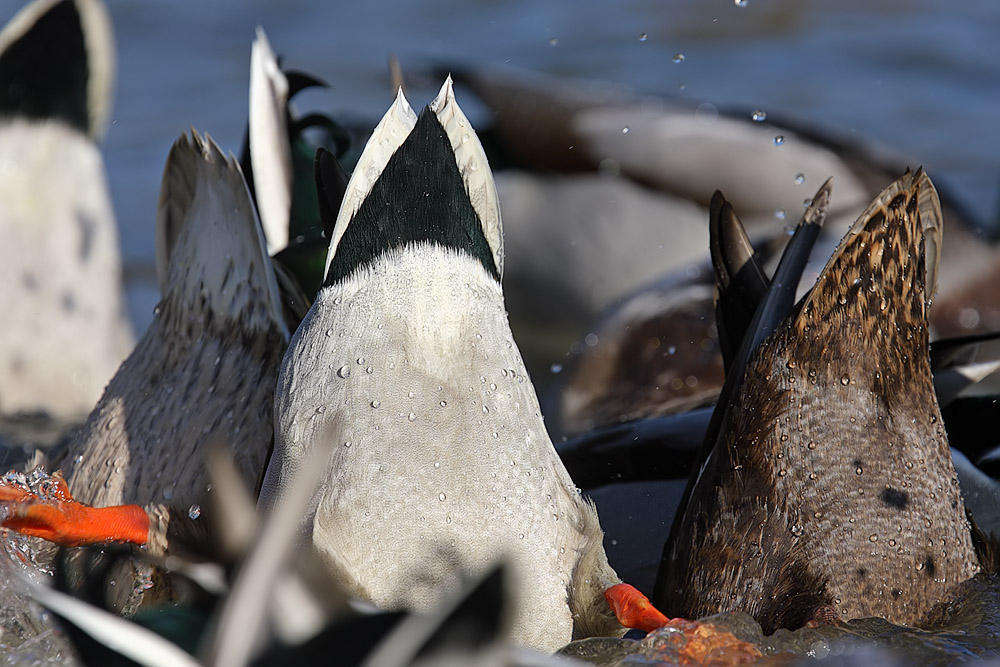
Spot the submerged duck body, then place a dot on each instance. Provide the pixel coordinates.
(831, 484)
(406, 369)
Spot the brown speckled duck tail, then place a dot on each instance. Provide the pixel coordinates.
(831, 481)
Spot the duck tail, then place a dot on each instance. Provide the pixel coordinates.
(437, 152)
(270, 154)
(211, 256)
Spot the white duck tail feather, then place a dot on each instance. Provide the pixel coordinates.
(388, 135)
(270, 153)
(474, 167)
(205, 208)
(101, 61)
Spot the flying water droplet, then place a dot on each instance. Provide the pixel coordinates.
(779, 140)
(758, 116)
(678, 58)
(194, 512)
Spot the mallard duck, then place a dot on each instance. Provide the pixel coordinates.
(646, 442)
(207, 365)
(406, 368)
(66, 328)
(828, 448)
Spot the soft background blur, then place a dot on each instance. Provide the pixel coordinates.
(920, 77)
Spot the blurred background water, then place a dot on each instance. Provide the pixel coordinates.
(920, 77)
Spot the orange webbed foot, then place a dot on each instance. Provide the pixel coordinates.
(633, 609)
(689, 642)
(46, 509)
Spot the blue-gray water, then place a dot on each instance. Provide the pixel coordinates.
(918, 76)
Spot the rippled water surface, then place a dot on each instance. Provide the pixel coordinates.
(920, 77)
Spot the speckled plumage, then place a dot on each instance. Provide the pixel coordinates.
(832, 482)
(440, 463)
(207, 365)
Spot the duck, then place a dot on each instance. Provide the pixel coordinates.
(66, 323)
(405, 369)
(207, 365)
(828, 447)
(631, 176)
